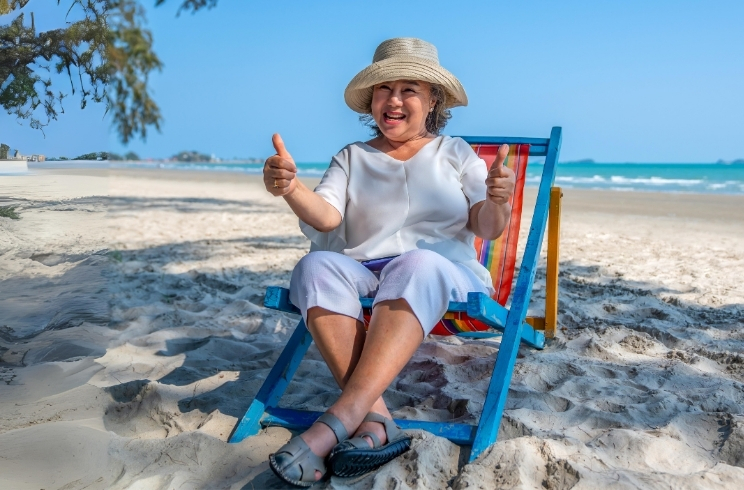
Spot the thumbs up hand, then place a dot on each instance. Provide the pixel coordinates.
(280, 170)
(501, 179)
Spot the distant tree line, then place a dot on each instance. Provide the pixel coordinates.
(100, 155)
(183, 156)
(191, 156)
(106, 155)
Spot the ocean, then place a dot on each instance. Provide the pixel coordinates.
(705, 178)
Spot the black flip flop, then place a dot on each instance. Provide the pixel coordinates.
(355, 457)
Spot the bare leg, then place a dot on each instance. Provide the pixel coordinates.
(340, 340)
(394, 335)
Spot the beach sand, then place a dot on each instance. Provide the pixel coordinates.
(133, 336)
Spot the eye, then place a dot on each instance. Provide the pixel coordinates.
(383, 87)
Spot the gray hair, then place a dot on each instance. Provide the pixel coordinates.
(436, 120)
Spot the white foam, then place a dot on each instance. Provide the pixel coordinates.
(655, 181)
(581, 180)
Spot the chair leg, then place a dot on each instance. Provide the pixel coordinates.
(498, 388)
(276, 383)
(551, 280)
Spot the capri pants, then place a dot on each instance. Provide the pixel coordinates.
(425, 279)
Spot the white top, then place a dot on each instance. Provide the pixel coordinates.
(390, 207)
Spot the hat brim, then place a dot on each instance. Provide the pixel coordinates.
(358, 94)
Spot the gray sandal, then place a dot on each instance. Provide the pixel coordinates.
(296, 464)
(354, 457)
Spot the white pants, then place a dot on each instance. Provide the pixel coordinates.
(425, 279)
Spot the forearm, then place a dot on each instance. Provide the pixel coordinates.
(488, 220)
(312, 208)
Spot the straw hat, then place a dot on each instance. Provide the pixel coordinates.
(402, 58)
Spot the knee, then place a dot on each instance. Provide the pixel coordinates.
(329, 271)
(415, 260)
(313, 263)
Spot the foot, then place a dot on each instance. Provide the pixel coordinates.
(302, 461)
(378, 442)
(321, 439)
(374, 427)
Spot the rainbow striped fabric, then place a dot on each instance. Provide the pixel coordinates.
(498, 256)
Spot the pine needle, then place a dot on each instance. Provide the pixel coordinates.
(9, 212)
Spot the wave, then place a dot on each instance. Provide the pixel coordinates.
(655, 181)
(644, 183)
(619, 179)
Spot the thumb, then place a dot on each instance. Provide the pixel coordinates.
(501, 155)
(279, 147)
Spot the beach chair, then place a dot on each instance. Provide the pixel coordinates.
(480, 317)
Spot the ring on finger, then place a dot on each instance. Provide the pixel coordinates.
(275, 184)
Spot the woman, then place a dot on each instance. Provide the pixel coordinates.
(408, 196)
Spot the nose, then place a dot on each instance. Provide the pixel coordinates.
(395, 99)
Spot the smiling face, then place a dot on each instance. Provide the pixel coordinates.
(400, 108)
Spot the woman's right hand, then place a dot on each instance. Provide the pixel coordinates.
(280, 170)
(280, 179)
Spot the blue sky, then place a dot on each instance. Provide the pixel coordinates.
(629, 81)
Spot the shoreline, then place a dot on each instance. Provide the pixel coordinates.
(703, 207)
(691, 178)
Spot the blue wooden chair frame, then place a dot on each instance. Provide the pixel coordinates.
(264, 411)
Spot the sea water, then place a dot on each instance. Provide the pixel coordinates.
(715, 178)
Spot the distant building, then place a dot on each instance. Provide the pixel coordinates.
(17, 155)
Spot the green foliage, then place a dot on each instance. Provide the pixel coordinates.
(79, 50)
(132, 156)
(191, 156)
(9, 211)
(131, 61)
(4, 149)
(107, 56)
(97, 155)
(192, 5)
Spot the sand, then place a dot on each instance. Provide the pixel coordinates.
(132, 337)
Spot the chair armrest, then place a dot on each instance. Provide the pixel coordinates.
(483, 308)
(277, 298)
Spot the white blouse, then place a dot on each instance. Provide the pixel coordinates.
(390, 207)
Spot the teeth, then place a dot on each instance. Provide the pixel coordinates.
(397, 116)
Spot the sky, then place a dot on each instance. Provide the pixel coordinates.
(631, 81)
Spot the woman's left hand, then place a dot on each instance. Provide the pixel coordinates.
(501, 179)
